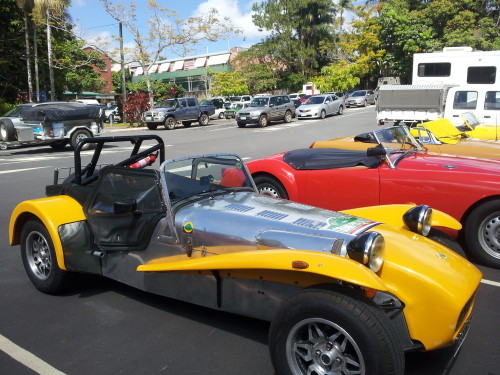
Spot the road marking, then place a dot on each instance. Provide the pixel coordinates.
(22, 170)
(26, 358)
(489, 282)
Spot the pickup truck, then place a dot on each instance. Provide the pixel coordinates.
(52, 123)
(413, 104)
(172, 111)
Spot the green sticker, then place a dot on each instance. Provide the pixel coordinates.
(188, 227)
(335, 222)
(238, 165)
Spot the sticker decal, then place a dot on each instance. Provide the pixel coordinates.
(349, 224)
(238, 165)
(188, 227)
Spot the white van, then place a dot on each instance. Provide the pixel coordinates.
(483, 101)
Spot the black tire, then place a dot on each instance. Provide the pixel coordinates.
(7, 130)
(59, 145)
(77, 136)
(321, 331)
(221, 115)
(322, 115)
(186, 124)
(480, 233)
(241, 124)
(269, 185)
(445, 240)
(341, 110)
(151, 126)
(203, 120)
(364, 103)
(169, 123)
(288, 117)
(263, 121)
(39, 258)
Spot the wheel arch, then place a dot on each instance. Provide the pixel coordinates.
(79, 127)
(52, 212)
(288, 182)
(476, 204)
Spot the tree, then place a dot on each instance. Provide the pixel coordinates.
(27, 6)
(228, 84)
(339, 76)
(137, 104)
(176, 35)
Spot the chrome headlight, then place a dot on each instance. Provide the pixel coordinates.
(418, 219)
(367, 249)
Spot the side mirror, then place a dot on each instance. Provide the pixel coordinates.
(124, 206)
(379, 150)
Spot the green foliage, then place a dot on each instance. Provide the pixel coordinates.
(260, 73)
(338, 77)
(228, 84)
(5, 107)
(116, 79)
(161, 90)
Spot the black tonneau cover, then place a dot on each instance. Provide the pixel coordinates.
(63, 111)
(329, 158)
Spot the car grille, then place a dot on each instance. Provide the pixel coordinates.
(244, 113)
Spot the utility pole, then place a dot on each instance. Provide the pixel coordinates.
(122, 63)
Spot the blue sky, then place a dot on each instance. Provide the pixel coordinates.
(93, 21)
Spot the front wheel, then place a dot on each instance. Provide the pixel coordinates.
(221, 115)
(151, 126)
(77, 137)
(268, 185)
(39, 258)
(7, 130)
(241, 124)
(263, 121)
(288, 116)
(341, 110)
(170, 123)
(326, 332)
(203, 120)
(322, 115)
(481, 233)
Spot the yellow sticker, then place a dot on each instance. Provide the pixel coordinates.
(188, 227)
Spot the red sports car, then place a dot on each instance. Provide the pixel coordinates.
(397, 170)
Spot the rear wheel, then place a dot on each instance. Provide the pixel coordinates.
(7, 131)
(78, 136)
(481, 231)
(221, 115)
(203, 120)
(39, 258)
(170, 123)
(151, 126)
(268, 185)
(288, 116)
(326, 332)
(263, 121)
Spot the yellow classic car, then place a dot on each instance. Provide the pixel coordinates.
(438, 136)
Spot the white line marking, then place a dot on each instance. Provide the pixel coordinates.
(22, 170)
(26, 358)
(489, 282)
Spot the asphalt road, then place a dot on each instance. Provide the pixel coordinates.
(103, 327)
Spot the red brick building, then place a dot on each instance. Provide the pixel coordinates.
(105, 72)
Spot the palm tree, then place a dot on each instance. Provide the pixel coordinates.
(27, 6)
(47, 8)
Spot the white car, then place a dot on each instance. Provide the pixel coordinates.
(320, 106)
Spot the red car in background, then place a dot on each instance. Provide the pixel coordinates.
(397, 170)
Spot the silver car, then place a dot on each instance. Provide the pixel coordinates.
(264, 109)
(360, 98)
(320, 106)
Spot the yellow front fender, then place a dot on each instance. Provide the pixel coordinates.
(392, 214)
(52, 212)
(321, 264)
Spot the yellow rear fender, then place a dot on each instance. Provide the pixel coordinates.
(392, 214)
(52, 212)
(270, 261)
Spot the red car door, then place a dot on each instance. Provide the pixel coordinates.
(342, 188)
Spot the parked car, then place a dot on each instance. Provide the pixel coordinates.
(112, 113)
(264, 109)
(304, 98)
(320, 106)
(296, 96)
(360, 98)
(343, 293)
(51, 123)
(185, 110)
(338, 179)
(218, 103)
(235, 107)
(237, 99)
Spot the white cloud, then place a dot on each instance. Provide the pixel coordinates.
(241, 18)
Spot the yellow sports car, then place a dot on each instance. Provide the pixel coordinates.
(345, 293)
(438, 136)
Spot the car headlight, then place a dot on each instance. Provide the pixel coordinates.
(418, 219)
(367, 249)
